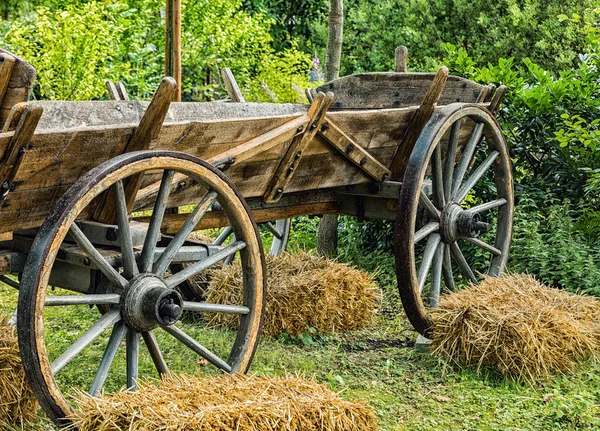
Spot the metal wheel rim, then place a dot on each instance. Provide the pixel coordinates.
(409, 202)
(34, 281)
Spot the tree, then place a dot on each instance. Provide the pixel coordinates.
(327, 237)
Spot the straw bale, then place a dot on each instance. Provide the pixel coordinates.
(225, 403)
(303, 291)
(17, 402)
(517, 326)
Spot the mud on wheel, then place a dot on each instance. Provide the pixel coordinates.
(455, 211)
(138, 300)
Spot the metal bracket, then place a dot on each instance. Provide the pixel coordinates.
(289, 163)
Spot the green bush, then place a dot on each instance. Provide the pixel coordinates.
(77, 44)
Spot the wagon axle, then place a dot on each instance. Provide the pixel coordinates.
(456, 222)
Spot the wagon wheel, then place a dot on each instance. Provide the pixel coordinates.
(459, 171)
(140, 300)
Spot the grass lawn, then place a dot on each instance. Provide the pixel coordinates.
(407, 389)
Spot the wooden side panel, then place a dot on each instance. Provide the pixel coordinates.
(396, 90)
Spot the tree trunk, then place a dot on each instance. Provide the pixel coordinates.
(327, 239)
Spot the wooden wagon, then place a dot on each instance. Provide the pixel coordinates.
(90, 191)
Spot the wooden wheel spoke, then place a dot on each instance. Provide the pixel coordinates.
(429, 206)
(428, 255)
(462, 263)
(207, 307)
(464, 190)
(437, 183)
(488, 206)
(436, 276)
(466, 157)
(447, 270)
(84, 243)
(223, 235)
(155, 353)
(161, 265)
(107, 320)
(200, 266)
(429, 228)
(198, 348)
(101, 299)
(147, 258)
(130, 268)
(133, 353)
(451, 159)
(116, 337)
(230, 258)
(484, 246)
(273, 230)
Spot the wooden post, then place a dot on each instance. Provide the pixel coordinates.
(173, 43)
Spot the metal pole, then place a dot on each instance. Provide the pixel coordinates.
(173, 42)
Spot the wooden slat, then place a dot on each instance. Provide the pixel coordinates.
(401, 56)
(233, 89)
(122, 91)
(111, 88)
(19, 85)
(15, 115)
(395, 90)
(7, 63)
(422, 116)
(144, 134)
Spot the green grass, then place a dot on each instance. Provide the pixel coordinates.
(407, 389)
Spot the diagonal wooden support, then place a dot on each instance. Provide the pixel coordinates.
(7, 63)
(144, 134)
(233, 89)
(116, 91)
(417, 124)
(289, 163)
(497, 99)
(15, 150)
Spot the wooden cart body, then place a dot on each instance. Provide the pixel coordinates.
(362, 147)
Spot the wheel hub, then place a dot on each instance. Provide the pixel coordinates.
(458, 223)
(147, 303)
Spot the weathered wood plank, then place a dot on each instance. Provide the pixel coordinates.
(7, 63)
(19, 85)
(233, 89)
(396, 90)
(422, 116)
(401, 55)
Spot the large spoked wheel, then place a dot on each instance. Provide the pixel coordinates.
(459, 177)
(139, 300)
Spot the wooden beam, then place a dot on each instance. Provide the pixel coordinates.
(288, 164)
(7, 63)
(233, 89)
(14, 116)
(173, 43)
(113, 93)
(497, 99)
(417, 124)
(172, 223)
(401, 56)
(144, 134)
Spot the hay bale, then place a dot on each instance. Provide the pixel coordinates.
(17, 402)
(517, 326)
(225, 403)
(303, 291)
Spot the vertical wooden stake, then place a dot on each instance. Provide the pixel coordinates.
(173, 43)
(401, 54)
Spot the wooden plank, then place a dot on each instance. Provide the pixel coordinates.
(401, 55)
(422, 116)
(7, 63)
(293, 156)
(395, 90)
(122, 91)
(233, 89)
(15, 115)
(497, 99)
(144, 134)
(19, 85)
(111, 88)
(19, 143)
(353, 151)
